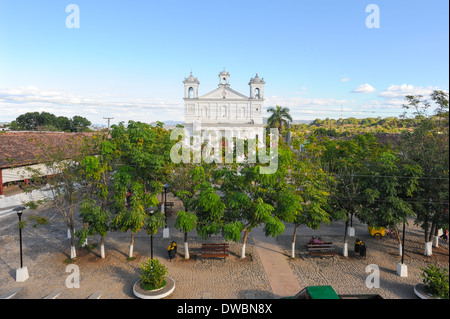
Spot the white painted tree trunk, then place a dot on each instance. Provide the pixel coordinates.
(186, 250)
(73, 252)
(435, 241)
(345, 250)
(102, 250)
(293, 250)
(130, 255)
(400, 249)
(428, 248)
(243, 251)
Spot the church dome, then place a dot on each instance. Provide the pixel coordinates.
(191, 79)
(256, 79)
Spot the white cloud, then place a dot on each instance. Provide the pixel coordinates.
(299, 102)
(364, 88)
(17, 101)
(345, 79)
(308, 108)
(400, 91)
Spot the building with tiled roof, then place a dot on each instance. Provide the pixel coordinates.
(23, 149)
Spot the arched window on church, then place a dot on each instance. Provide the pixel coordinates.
(224, 81)
(191, 93)
(256, 93)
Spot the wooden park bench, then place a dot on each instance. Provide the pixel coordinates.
(215, 250)
(323, 249)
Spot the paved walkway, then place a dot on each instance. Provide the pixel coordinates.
(282, 280)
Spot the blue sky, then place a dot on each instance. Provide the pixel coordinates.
(128, 59)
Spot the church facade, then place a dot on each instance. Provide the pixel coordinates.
(225, 109)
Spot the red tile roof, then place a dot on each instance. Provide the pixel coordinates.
(25, 148)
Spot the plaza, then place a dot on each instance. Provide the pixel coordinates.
(267, 272)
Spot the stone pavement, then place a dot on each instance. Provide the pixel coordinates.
(281, 278)
(267, 272)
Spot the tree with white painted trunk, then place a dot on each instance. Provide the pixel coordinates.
(306, 203)
(141, 166)
(64, 188)
(251, 198)
(428, 147)
(346, 161)
(186, 222)
(97, 199)
(97, 219)
(187, 182)
(134, 215)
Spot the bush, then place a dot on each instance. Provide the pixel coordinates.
(436, 281)
(153, 274)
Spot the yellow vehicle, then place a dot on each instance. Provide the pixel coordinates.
(377, 232)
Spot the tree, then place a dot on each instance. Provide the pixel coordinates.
(32, 121)
(79, 124)
(63, 123)
(308, 204)
(345, 161)
(388, 188)
(186, 222)
(142, 163)
(134, 215)
(427, 146)
(251, 199)
(97, 220)
(65, 186)
(28, 121)
(279, 117)
(186, 186)
(95, 211)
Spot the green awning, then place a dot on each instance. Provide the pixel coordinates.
(322, 292)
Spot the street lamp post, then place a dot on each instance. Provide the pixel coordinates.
(163, 208)
(22, 272)
(151, 212)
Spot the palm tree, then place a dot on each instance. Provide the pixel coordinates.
(279, 117)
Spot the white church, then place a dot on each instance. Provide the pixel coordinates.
(225, 109)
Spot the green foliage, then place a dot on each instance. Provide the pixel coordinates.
(142, 156)
(279, 118)
(232, 231)
(34, 204)
(153, 222)
(39, 220)
(428, 148)
(436, 281)
(21, 224)
(153, 274)
(186, 221)
(45, 121)
(97, 220)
